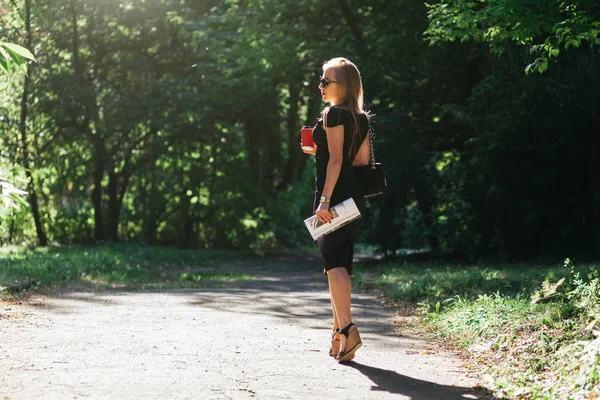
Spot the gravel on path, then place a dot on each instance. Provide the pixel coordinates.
(261, 339)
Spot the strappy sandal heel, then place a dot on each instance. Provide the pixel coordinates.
(335, 343)
(353, 343)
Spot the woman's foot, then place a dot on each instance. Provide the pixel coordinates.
(349, 343)
(335, 343)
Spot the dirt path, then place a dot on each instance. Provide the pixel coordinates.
(263, 339)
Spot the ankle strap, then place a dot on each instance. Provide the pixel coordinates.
(346, 330)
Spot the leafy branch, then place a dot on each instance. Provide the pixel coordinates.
(10, 195)
(11, 53)
(558, 25)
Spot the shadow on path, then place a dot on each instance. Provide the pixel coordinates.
(395, 383)
(287, 306)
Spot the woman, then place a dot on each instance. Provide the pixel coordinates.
(341, 141)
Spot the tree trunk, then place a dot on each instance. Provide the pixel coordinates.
(188, 221)
(113, 209)
(253, 144)
(146, 195)
(351, 21)
(595, 162)
(293, 126)
(273, 141)
(425, 202)
(76, 64)
(117, 186)
(263, 147)
(312, 114)
(485, 225)
(32, 196)
(386, 217)
(11, 227)
(595, 149)
(98, 175)
(151, 226)
(154, 207)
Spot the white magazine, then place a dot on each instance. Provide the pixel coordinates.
(343, 213)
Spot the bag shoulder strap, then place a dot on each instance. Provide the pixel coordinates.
(371, 134)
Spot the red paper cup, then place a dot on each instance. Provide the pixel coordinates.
(307, 141)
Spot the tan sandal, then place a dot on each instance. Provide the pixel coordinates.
(353, 343)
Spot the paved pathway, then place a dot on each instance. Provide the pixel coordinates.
(263, 339)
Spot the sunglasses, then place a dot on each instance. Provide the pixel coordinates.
(325, 82)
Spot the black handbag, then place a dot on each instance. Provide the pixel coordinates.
(371, 177)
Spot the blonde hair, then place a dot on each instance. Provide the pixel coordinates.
(351, 96)
(349, 82)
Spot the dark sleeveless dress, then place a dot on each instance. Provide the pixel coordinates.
(337, 248)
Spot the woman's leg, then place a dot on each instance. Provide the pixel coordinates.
(340, 288)
(336, 325)
(335, 334)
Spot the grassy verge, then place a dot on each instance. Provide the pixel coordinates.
(529, 328)
(118, 265)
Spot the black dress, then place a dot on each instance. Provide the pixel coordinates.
(337, 248)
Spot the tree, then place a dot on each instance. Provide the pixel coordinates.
(547, 27)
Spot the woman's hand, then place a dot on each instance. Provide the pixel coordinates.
(313, 151)
(323, 213)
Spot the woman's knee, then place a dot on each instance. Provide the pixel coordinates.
(338, 272)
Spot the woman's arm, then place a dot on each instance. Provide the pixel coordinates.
(335, 144)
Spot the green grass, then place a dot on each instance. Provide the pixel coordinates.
(215, 276)
(23, 268)
(433, 283)
(534, 349)
(357, 278)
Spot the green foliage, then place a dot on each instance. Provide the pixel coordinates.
(560, 25)
(480, 319)
(582, 293)
(358, 277)
(289, 210)
(215, 276)
(11, 197)
(13, 54)
(542, 336)
(431, 283)
(111, 265)
(152, 126)
(497, 194)
(176, 122)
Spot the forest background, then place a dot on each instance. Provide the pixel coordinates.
(177, 122)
